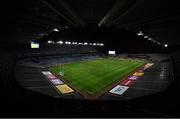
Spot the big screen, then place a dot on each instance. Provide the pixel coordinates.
(34, 45)
(111, 52)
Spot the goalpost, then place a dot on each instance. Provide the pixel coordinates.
(61, 70)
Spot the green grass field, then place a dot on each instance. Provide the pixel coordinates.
(93, 76)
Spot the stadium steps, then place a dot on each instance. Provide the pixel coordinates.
(164, 103)
(31, 78)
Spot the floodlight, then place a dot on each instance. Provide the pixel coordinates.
(158, 43)
(55, 29)
(146, 37)
(140, 33)
(85, 43)
(154, 41)
(80, 43)
(67, 42)
(98, 44)
(50, 41)
(150, 39)
(94, 43)
(101, 44)
(60, 42)
(166, 45)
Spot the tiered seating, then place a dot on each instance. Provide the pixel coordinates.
(176, 67)
(52, 49)
(7, 71)
(53, 60)
(7, 64)
(31, 78)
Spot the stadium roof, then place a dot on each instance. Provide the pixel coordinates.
(24, 20)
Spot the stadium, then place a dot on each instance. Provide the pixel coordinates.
(89, 58)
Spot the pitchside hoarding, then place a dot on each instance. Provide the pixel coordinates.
(138, 74)
(140, 70)
(119, 89)
(148, 65)
(133, 77)
(57, 82)
(49, 75)
(64, 89)
(46, 72)
(52, 78)
(127, 82)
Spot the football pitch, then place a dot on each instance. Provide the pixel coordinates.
(91, 77)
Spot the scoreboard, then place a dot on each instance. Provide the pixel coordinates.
(34, 45)
(112, 52)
